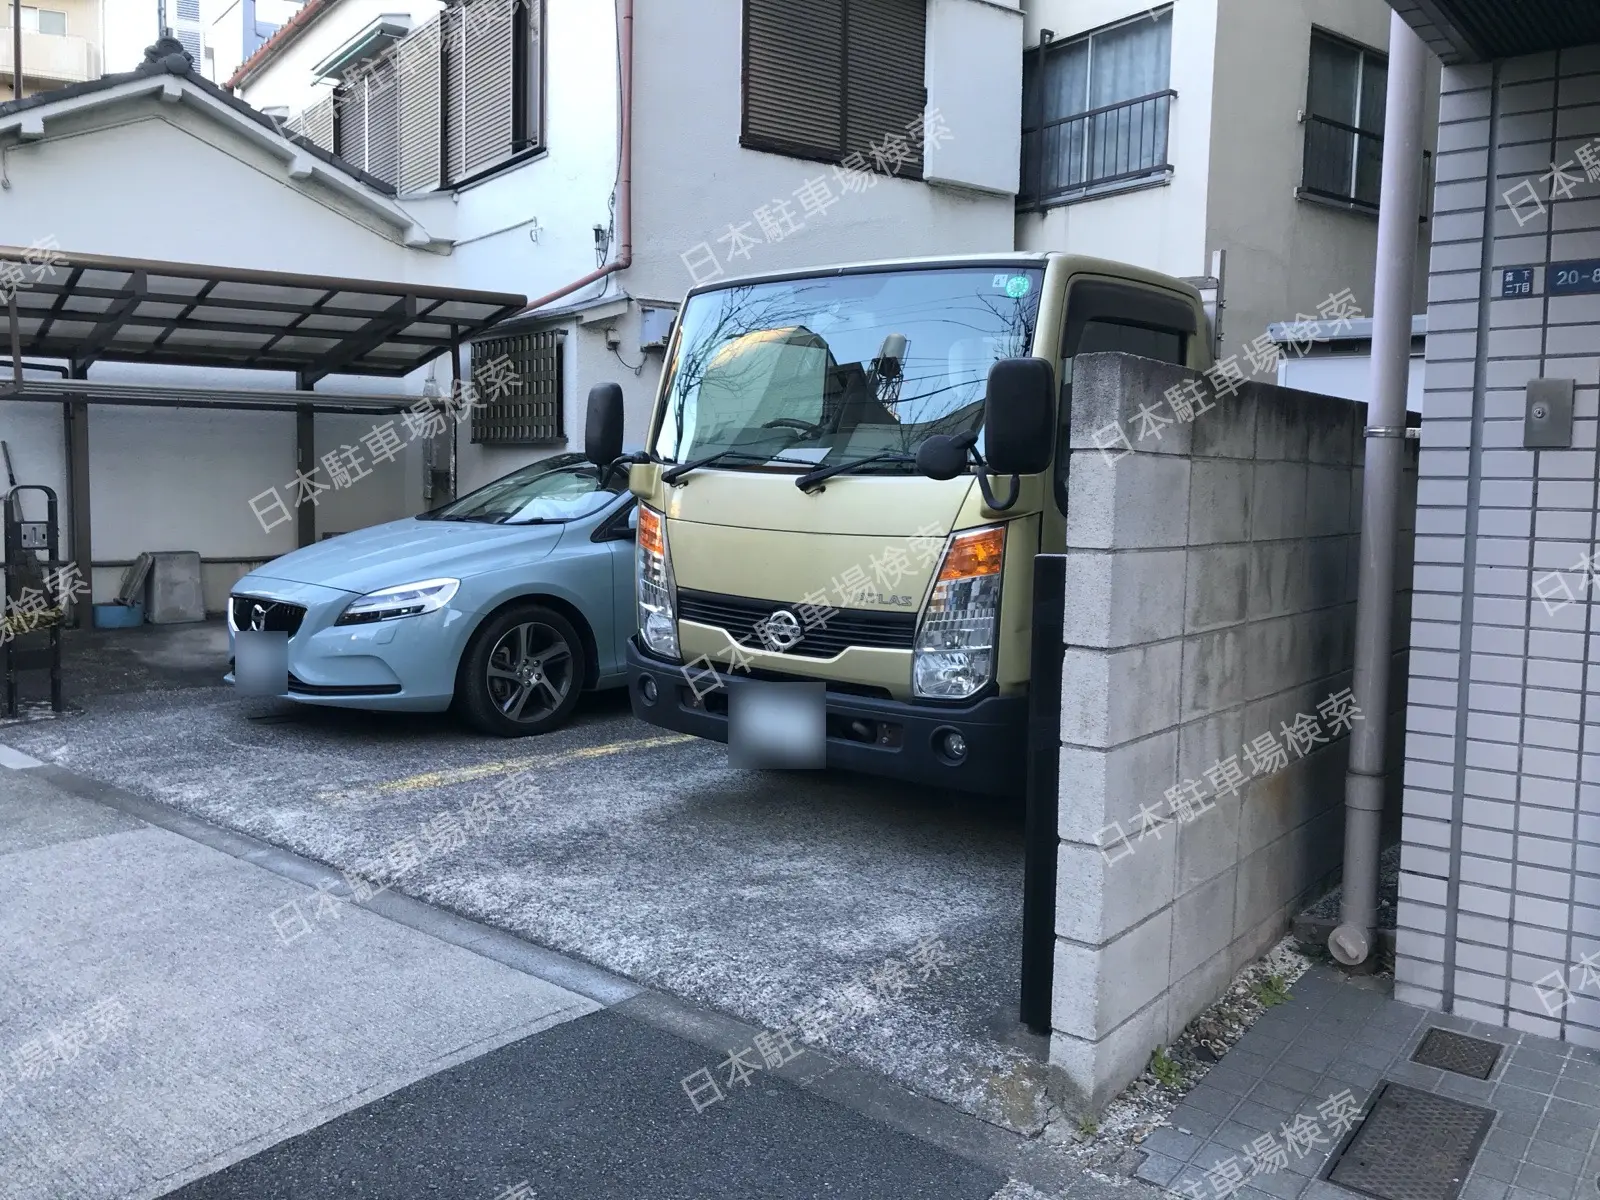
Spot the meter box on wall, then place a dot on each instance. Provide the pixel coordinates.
(655, 326)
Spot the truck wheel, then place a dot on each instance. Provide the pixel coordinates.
(522, 673)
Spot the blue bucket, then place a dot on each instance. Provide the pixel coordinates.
(118, 616)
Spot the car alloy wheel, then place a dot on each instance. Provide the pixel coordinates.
(530, 672)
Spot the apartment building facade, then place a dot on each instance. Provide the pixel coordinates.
(62, 43)
(760, 138)
(1159, 135)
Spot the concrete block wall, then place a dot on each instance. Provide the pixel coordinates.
(1500, 882)
(1211, 585)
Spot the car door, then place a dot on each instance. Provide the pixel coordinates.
(617, 533)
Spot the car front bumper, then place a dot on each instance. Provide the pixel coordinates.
(876, 736)
(407, 664)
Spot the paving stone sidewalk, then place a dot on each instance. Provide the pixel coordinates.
(1286, 1081)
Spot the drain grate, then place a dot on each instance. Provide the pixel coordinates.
(1412, 1145)
(1450, 1051)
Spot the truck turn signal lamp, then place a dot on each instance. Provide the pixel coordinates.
(955, 647)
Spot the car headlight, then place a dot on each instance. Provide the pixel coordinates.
(955, 647)
(658, 617)
(404, 600)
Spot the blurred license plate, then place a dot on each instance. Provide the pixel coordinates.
(777, 725)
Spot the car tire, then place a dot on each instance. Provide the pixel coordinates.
(522, 672)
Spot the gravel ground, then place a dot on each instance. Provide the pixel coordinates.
(756, 894)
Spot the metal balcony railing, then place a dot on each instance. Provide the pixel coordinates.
(1342, 163)
(1067, 157)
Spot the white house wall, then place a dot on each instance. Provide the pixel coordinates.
(288, 80)
(693, 179)
(1160, 228)
(1285, 255)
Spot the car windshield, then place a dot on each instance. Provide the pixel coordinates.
(562, 488)
(835, 369)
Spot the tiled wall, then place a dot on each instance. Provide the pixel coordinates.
(1211, 580)
(1500, 883)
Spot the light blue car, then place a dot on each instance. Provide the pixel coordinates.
(504, 604)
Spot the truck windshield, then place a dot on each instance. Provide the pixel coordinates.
(833, 369)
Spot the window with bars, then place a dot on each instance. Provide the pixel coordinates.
(453, 99)
(1344, 122)
(520, 402)
(828, 79)
(1095, 110)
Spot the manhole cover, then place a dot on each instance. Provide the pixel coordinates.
(1457, 1052)
(1412, 1146)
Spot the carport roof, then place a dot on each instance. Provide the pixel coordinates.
(84, 308)
(1468, 31)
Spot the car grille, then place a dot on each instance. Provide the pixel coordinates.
(842, 628)
(276, 616)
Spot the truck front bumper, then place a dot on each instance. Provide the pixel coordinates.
(876, 736)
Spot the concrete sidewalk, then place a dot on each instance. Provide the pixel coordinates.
(166, 1025)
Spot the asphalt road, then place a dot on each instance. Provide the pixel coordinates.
(757, 894)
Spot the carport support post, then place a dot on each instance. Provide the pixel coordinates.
(1042, 833)
(305, 457)
(455, 395)
(75, 428)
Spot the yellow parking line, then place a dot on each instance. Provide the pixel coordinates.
(431, 779)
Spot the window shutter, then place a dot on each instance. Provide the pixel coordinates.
(487, 110)
(526, 409)
(794, 76)
(383, 121)
(350, 123)
(885, 67)
(453, 39)
(419, 98)
(316, 123)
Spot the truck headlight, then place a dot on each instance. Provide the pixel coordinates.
(405, 600)
(955, 647)
(658, 618)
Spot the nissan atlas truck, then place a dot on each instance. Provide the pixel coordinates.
(847, 475)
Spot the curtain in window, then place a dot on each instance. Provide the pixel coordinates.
(1121, 64)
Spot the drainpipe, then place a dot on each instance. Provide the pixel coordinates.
(16, 49)
(624, 258)
(1352, 942)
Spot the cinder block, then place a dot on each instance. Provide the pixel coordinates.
(1113, 696)
(1197, 991)
(1213, 672)
(1278, 578)
(1229, 430)
(1109, 390)
(1282, 432)
(1331, 426)
(1218, 586)
(1327, 582)
(1139, 502)
(1089, 1073)
(1202, 923)
(1266, 883)
(1328, 500)
(1123, 597)
(1208, 846)
(1219, 501)
(1272, 656)
(1278, 500)
(1096, 989)
(1102, 787)
(1097, 901)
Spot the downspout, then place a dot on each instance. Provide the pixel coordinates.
(624, 258)
(16, 49)
(1393, 286)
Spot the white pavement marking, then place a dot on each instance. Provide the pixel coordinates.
(16, 759)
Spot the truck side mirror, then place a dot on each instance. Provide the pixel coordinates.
(602, 434)
(1019, 416)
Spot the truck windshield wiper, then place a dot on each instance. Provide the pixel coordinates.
(673, 474)
(811, 478)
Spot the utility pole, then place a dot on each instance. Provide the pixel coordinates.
(16, 49)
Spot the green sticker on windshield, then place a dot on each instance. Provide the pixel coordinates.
(1017, 286)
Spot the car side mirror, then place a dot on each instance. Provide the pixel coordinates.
(602, 434)
(1019, 416)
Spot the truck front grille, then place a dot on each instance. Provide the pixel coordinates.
(838, 630)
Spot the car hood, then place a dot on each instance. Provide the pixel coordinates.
(408, 551)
